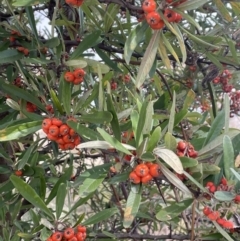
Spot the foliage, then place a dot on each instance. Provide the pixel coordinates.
(143, 102)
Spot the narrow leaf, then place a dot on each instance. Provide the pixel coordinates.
(148, 59)
(60, 198)
(30, 195)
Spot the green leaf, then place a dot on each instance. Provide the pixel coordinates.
(228, 157)
(101, 216)
(113, 141)
(188, 162)
(134, 39)
(77, 63)
(22, 3)
(190, 5)
(66, 98)
(154, 139)
(9, 56)
(52, 43)
(63, 179)
(89, 41)
(23, 94)
(30, 195)
(84, 131)
(109, 16)
(170, 158)
(20, 130)
(98, 117)
(32, 22)
(132, 206)
(223, 10)
(170, 141)
(60, 198)
(163, 53)
(173, 210)
(189, 99)
(216, 127)
(224, 196)
(56, 101)
(174, 180)
(172, 114)
(114, 123)
(236, 174)
(148, 59)
(91, 184)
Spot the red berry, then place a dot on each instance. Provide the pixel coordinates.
(170, 15)
(228, 224)
(237, 199)
(213, 215)
(149, 6)
(141, 170)
(134, 178)
(212, 189)
(154, 170)
(220, 221)
(153, 18)
(56, 122)
(79, 73)
(157, 26)
(64, 129)
(46, 123)
(69, 146)
(113, 85)
(18, 173)
(53, 130)
(224, 181)
(78, 81)
(68, 233)
(81, 229)
(207, 211)
(146, 179)
(57, 236)
(181, 146)
(209, 184)
(69, 76)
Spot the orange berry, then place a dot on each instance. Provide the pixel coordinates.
(146, 179)
(56, 122)
(228, 225)
(51, 137)
(77, 140)
(81, 229)
(69, 76)
(68, 233)
(60, 146)
(209, 184)
(64, 129)
(153, 18)
(78, 81)
(18, 173)
(220, 221)
(72, 132)
(207, 211)
(26, 52)
(20, 49)
(213, 215)
(141, 170)
(53, 130)
(212, 189)
(11, 39)
(170, 15)
(154, 170)
(182, 145)
(67, 139)
(46, 123)
(79, 73)
(69, 146)
(74, 238)
(134, 178)
(79, 236)
(45, 130)
(237, 199)
(60, 141)
(224, 181)
(57, 236)
(149, 6)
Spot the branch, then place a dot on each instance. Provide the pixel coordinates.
(144, 236)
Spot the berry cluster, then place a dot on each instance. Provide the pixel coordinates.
(223, 186)
(235, 102)
(69, 234)
(184, 148)
(144, 172)
(14, 35)
(23, 50)
(223, 79)
(215, 216)
(153, 18)
(74, 3)
(76, 77)
(61, 133)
